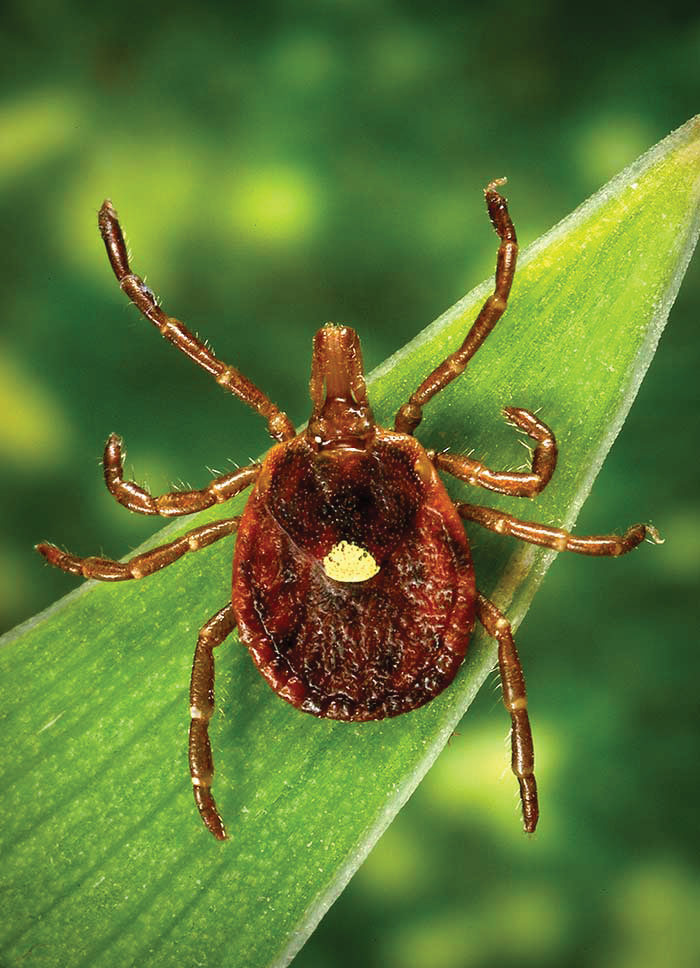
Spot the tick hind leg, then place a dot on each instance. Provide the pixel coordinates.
(411, 413)
(601, 545)
(106, 569)
(515, 701)
(201, 710)
(516, 484)
(279, 424)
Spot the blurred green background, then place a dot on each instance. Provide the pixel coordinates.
(282, 165)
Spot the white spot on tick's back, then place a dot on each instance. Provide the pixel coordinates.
(349, 562)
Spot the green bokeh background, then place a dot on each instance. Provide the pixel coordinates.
(282, 165)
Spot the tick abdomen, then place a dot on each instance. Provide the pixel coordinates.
(362, 648)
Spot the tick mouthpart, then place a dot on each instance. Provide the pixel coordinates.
(337, 364)
(341, 415)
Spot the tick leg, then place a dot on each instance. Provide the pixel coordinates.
(105, 569)
(608, 545)
(170, 505)
(201, 711)
(544, 460)
(515, 701)
(411, 413)
(175, 332)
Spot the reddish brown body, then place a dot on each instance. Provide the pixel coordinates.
(353, 650)
(353, 587)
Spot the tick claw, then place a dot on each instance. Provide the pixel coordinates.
(654, 535)
(495, 184)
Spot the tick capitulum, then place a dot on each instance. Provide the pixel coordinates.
(353, 587)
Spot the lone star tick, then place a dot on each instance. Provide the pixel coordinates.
(353, 587)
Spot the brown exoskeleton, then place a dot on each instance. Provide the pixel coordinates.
(353, 587)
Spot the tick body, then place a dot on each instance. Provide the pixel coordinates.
(352, 583)
(353, 587)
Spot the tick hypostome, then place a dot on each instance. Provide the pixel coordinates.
(353, 587)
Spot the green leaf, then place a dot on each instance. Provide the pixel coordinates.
(105, 860)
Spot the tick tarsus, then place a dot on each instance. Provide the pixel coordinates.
(113, 237)
(529, 802)
(498, 210)
(346, 461)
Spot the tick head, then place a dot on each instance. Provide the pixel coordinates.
(341, 415)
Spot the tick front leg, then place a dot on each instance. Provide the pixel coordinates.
(515, 701)
(279, 424)
(411, 413)
(106, 569)
(201, 711)
(136, 498)
(544, 460)
(603, 545)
